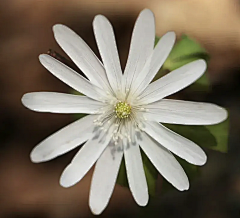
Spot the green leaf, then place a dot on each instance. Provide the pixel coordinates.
(122, 175)
(79, 116)
(214, 137)
(185, 51)
(221, 133)
(74, 92)
(150, 172)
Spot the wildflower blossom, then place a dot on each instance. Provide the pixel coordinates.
(125, 111)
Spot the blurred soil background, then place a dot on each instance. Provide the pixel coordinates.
(32, 190)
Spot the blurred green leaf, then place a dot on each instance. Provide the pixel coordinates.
(213, 136)
(122, 175)
(74, 92)
(185, 51)
(79, 116)
(221, 134)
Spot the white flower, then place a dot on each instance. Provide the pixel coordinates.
(126, 111)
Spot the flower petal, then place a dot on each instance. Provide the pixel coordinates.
(177, 144)
(60, 103)
(108, 50)
(86, 157)
(173, 82)
(70, 77)
(135, 173)
(64, 140)
(155, 61)
(164, 161)
(185, 112)
(141, 47)
(104, 178)
(81, 54)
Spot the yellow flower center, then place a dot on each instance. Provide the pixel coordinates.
(123, 110)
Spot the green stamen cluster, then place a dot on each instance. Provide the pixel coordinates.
(123, 110)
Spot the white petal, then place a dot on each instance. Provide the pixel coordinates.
(60, 103)
(177, 144)
(85, 158)
(104, 178)
(70, 77)
(108, 50)
(156, 60)
(185, 112)
(64, 140)
(164, 161)
(131, 131)
(81, 54)
(135, 174)
(141, 47)
(173, 82)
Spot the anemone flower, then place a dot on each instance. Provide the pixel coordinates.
(126, 111)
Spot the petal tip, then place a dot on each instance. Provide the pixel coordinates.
(24, 99)
(64, 182)
(202, 64)
(146, 11)
(224, 114)
(143, 201)
(42, 57)
(99, 17)
(67, 178)
(202, 160)
(198, 66)
(57, 28)
(186, 187)
(172, 35)
(96, 209)
(36, 157)
(221, 115)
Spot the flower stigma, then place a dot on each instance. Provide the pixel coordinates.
(123, 110)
